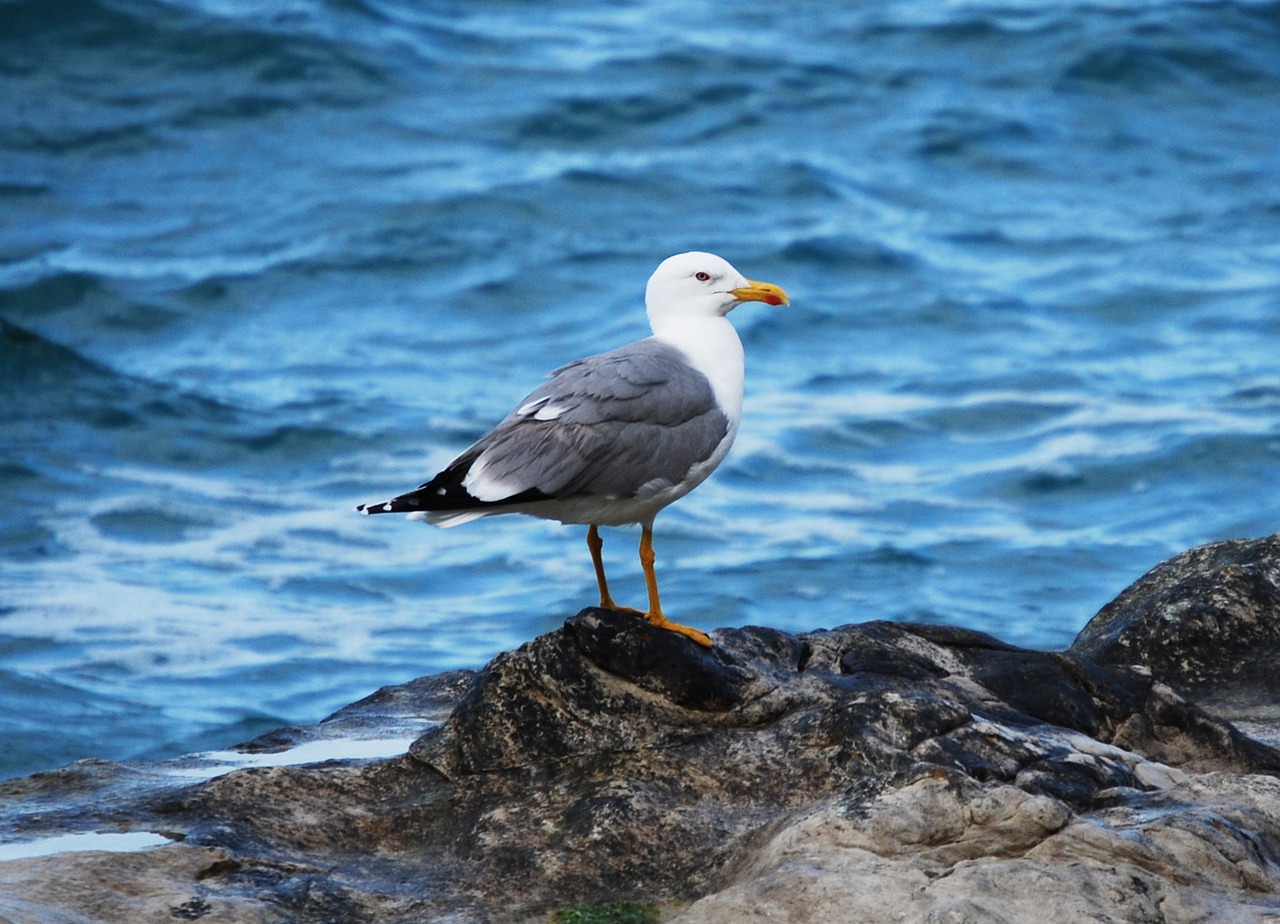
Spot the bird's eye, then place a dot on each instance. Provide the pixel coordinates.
(701, 277)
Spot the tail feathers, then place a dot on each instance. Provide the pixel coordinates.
(395, 505)
(444, 499)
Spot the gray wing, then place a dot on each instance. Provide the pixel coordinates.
(635, 419)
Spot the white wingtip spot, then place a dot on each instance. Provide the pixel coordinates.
(549, 412)
(541, 409)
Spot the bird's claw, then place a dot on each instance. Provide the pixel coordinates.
(657, 620)
(662, 622)
(615, 608)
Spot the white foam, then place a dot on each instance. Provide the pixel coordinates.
(216, 763)
(79, 843)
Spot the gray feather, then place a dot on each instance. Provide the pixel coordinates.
(626, 419)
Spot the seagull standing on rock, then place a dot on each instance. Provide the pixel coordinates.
(612, 439)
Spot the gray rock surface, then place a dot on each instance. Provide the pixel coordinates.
(1204, 622)
(876, 772)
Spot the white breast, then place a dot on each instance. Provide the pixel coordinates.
(713, 348)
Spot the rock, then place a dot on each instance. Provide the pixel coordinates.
(938, 851)
(867, 773)
(1205, 622)
(158, 885)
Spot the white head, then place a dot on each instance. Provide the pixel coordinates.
(702, 285)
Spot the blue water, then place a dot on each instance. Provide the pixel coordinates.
(262, 261)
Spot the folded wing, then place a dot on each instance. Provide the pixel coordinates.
(625, 424)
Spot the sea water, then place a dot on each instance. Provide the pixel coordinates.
(260, 262)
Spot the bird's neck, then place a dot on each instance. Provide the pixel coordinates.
(713, 348)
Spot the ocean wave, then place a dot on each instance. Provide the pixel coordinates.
(848, 252)
(140, 70)
(638, 115)
(149, 523)
(32, 362)
(1156, 68)
(102, 416)
(79, 271)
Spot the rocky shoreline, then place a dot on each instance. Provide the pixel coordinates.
(873, 772)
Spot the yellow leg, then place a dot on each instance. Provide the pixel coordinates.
(595, 544)
(654, 615)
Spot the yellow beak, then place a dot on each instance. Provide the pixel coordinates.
(765, 292)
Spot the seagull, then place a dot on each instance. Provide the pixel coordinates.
(612, 439)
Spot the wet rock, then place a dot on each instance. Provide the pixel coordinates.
(933, 771)
(175, 883)
(1205, 622)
